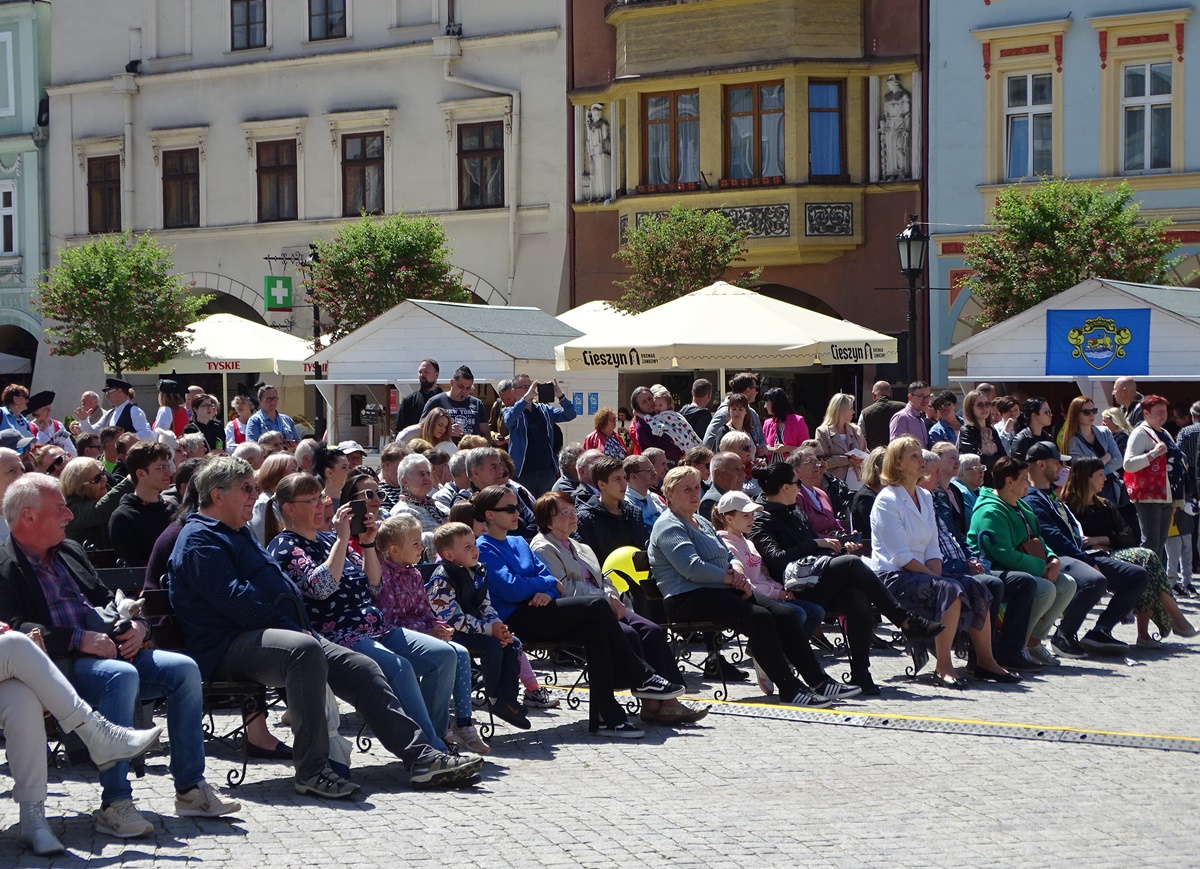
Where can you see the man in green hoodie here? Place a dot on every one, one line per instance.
(1000, 523)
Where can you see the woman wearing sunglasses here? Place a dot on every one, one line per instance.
(1084, 435)
(977, 437)
(532, 603)
(85, 489)
(49, 459)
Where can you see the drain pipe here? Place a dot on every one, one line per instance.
(512, 162)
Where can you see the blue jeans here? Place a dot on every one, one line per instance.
(113, 688)
(463, 683)
(811, 614)
(420, 670)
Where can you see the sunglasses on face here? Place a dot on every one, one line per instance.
(57, 463)
(367, 495)
(511, 508)
(1089, 411)
(99, 478)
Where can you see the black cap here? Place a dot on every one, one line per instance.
(1043, 450)
(171, 387)
(38, 400)
(14, 440)
(111, 383)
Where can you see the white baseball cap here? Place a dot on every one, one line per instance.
(737, 502)
(351, 447)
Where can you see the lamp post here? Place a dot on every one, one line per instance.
(318, 419)
(913, 244)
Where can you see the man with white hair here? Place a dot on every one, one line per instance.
(304, 454)
(243, 620)
(10, 469)
(88, 410)
(447, 493)
(47, 582)
(251, 452)
(568, 473)
(583, 470)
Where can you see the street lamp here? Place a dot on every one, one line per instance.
(318, 421)
(913, 245)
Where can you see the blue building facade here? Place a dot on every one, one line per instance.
(24, 74)
(1090, 91)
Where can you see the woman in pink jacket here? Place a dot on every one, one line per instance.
(783, 428)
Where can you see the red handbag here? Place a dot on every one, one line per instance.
(1150, 483)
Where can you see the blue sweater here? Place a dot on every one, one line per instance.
(223, 584)
(685, 558)
(514, 573)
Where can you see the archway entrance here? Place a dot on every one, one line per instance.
(18, 351)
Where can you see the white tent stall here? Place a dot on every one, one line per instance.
(1091, 334)
(494, 342)
(723, 326)
(233, 346)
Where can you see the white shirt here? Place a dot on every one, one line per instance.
(137, 418)
(900, 532)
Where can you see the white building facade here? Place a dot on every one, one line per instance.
(251, 132)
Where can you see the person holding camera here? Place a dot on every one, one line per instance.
(530, 422)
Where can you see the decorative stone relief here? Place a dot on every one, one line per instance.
(829, 218)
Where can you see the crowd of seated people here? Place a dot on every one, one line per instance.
(292, 563)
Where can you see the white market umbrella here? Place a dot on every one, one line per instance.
(228, 344)
(723, 326)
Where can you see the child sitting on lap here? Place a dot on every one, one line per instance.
(405, 604)
(667, 422)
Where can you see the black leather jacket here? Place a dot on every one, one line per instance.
(782, 535)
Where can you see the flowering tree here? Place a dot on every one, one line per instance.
(375, 264)
(676, 254)
(116, 295)
(1054, 234)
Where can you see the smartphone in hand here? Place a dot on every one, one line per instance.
(358, 518)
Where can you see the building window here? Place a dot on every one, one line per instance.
(754, 131)
(326, 19)
(104, 194)
(8, 219)
(826, 132)
(1029, 116)
(481, 165)
(249, 24)
(277, 180)
(181, 188)
(671, 137)
(1146, 117)
(362, 174)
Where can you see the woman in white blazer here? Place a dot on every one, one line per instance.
(906, 556)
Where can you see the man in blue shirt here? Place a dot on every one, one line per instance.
(531, 434)
(243, 620)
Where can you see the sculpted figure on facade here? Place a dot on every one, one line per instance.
(895, 132)
(598, 173)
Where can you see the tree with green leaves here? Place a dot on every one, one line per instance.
(680, 252)
(116, 295)
(1050, 236)
(374, 264)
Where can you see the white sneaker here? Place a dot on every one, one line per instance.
(204, 802)
(1042, 654)
(122, 820)
(468, 737)
(109, 744)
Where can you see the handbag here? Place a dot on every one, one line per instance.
(1033, 544)
(1150, 483)
(804, 572)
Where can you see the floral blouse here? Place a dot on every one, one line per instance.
(404, 601)
(342, 612)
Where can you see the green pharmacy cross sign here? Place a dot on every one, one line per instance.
(277, 292)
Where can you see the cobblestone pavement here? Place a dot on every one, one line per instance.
(732, 791)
